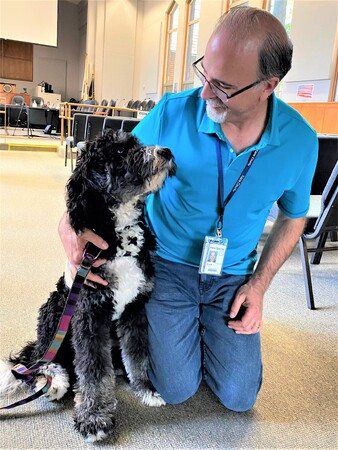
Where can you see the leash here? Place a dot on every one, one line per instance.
(90, 254)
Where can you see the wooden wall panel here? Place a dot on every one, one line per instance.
(322, 116)
(16, 60)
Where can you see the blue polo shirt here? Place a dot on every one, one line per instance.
(186, 209)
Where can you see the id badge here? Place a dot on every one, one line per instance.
(213, 254)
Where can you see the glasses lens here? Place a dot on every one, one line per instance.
(219, 93)
(199, 74)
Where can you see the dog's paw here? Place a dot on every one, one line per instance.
(94, 426)
(60, 381)
(151, 398)
(147, 393)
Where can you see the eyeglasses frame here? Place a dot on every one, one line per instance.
(212, 85)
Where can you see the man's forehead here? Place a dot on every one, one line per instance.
(236, 43)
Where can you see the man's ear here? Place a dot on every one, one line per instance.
(270, 86)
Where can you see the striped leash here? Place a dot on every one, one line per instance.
(90, 255)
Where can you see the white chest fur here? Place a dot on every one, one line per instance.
(130, 281)
(129, 277)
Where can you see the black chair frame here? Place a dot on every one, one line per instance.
(327, 222)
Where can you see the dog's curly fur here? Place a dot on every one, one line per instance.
(106, 194)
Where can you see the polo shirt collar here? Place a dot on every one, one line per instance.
(269, 137)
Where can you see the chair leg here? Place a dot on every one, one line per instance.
(306, 273)
(66, 155)
(71, 159)
(320, 243)
(333, 236)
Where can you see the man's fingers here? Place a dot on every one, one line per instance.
(90, 236)
(235, 307)
(99, 262)
(96, 279)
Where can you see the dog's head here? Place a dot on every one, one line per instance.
(116, 168)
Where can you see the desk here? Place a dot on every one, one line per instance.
(3, 112)
(42, 117)
(49, 98)
(6, 98)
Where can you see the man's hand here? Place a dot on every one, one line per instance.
(279, 245)
(249, 297)
(74, 246)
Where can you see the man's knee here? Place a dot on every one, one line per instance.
(177, 389)
(235, 397)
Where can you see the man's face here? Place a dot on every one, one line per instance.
(230, 67)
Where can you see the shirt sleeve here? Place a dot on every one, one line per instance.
(295, 201)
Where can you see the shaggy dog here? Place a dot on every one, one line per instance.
(106, 194)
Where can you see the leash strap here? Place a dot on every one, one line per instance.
(225, 201)
(90, 254)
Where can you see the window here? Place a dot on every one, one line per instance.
(194, 11)
(171, 47)
(282, 9)
(234, 3)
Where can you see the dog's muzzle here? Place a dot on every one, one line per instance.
(165, 154)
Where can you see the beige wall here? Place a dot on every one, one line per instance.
(126, 42)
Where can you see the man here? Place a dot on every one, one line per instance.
(238, 149)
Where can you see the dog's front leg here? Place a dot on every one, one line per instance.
(95, 401)
(132, 332)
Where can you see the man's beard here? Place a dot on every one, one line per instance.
(218, 117)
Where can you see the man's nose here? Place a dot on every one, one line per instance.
(207, 92)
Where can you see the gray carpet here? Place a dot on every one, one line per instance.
(296, 408)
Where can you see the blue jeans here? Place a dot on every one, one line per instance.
(189, 339)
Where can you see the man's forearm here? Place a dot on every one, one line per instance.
(279, 246)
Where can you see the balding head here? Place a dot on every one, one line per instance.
(245, 24)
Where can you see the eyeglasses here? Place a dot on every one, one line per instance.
(222, 95)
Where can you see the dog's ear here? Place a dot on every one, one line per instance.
(85, 190)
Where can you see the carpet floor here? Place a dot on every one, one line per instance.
(297, 405)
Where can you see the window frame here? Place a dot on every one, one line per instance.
(173, 6)
(188, 23)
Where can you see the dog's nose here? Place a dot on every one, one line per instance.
(165, 152)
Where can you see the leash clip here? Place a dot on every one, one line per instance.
(90, 255)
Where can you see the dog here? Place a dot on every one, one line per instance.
(105, 193)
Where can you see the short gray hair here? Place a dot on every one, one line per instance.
(275, 52)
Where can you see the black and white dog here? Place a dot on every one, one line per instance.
(106, 194)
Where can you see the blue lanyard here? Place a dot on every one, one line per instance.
(225, 201)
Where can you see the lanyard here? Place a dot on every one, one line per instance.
(225, 201)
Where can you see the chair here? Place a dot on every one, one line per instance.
(94, 127)
(78, 135)
(36, 118)
(129, 124)
(16, 115)
(112, 103)
(142, 106)
(88, 108)
(102, 110)
(17, 100)
(327, 158)
(318, 228)
(126, 113)
(150, 105)
(36, 102)
(113, 123)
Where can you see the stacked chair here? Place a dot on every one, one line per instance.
(87, 127)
